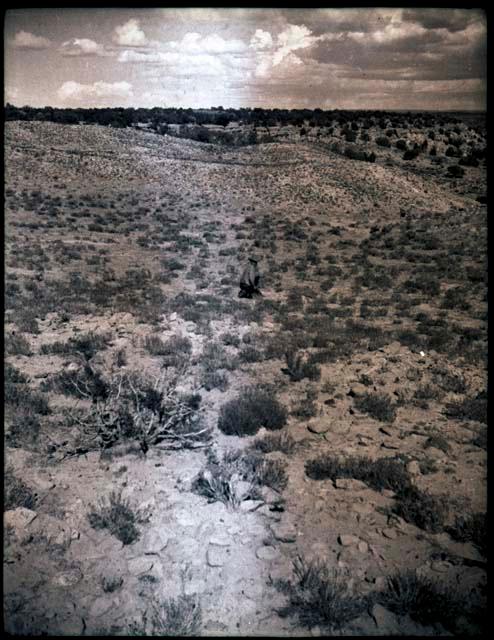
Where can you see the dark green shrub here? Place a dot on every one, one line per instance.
(17, 493)
(283, 442)
(299, 367)
(421, 509)
(455, 171)
(377, 405)
(117, 516)
(253, 409)
(471, 528)
(423, 599)
(384, 473)
(320, 596)
(469, 409)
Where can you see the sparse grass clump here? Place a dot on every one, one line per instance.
(180, 616)
(421, 598)
(471, 528)
(253, 409)
(384, 473)
(16, 492)
(283, 442)
(17, 345)
(469, 409)
(379, 406)
(421, 509)
(298, 367)
(320, 596)
(116, 515)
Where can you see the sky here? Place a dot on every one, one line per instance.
(407, 58)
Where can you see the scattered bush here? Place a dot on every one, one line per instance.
(180, 616)
(253, 409)
(471, 528)
(421, 509)
(384, 473)
(320, 596)
(17, 345)
(377, 405)
(283, 442)
(455, 171)
(117, 516)
(16, 492)
(299, 367)
(419, 597)
(469, 409)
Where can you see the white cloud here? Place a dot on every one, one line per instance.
(130, 35)
(77, 92)
(82, 47)
(294, 37)
(193, 42)
(27, 40)
(261, 40)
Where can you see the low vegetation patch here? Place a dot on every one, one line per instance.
(471, 528)
(378, 405)
(319, 596)
(384, 473)
(16, 492)
(252, 409)
(116, 515)
(181, 616)
(283, 442)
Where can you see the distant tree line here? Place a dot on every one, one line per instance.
(158, 118)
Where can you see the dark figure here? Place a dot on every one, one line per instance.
(249, 280)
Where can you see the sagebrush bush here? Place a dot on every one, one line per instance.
(379, 406)
(116, 515)
(181, 616)
(17, 345)
(251, 410)
(421, 509)
(283, 442)
(421, 598)
(298, 367)
(320, 596)
(471, 528)
(474, 408)
(384, 473)
(16, 492)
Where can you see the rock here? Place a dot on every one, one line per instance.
(100, 606)
(413, 468)
(316, 632)
(350, 484)
(19, 518)
(154, 541)
(346, 540)
(390, 533)
(318, 427)
(357, 389)
(68, 578)
(243, 490)
(217, 556)
(220, 540)
(363, 547)
(363, 508)
(283, 532)
(380, 583)
(196, 585)
(250, 505)
(441, 566)
(385, 620)
(137, 566)
(266, 553)
(388, 493)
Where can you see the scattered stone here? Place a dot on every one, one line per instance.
(243, 490)
(390, 533)
(380, 583)
(385, 620)
(347, 540)
(357, 389)
(350, 484)
(154, 541)
(413, 468)
(441, 566)
(19, 518)
(217, 556)
(318, 428)
(283, 532)
(196, 585)
(250, 505)
(220, 540)
(68, 578)
(100, 606)
(363, 547)
(266, 553)
(140, 565)
(388, 493)
(363, 508)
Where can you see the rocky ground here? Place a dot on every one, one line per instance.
(123, 251)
